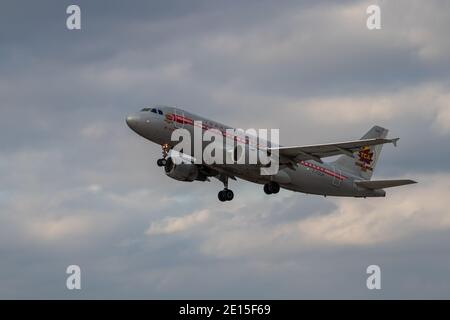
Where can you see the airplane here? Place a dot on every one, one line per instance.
(301, 168)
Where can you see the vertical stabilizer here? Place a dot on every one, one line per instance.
(365, 160)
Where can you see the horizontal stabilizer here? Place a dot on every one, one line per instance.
(381, 184)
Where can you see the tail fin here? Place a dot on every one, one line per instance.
(366, 158)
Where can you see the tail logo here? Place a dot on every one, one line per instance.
(365, 159)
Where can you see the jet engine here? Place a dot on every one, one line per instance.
(183, 171)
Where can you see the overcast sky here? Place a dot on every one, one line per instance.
(78, 187)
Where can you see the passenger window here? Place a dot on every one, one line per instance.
(146, 109)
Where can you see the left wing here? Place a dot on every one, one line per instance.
(381, 184)
(318, 151)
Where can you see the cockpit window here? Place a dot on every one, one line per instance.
(154, 110)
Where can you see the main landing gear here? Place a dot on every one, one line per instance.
(271, 187)
(165, 151)
(225, 194)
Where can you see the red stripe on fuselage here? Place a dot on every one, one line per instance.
(323, 170)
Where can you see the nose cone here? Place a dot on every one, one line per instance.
(132, 121)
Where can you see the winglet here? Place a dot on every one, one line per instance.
(394, 141)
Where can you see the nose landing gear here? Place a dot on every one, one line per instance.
(271, 187)
(165, 151)
(161, 162)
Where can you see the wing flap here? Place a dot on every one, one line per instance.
(381, 184)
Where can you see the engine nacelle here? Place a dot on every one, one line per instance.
(182, 171)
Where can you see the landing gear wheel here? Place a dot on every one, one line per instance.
(161, 162)
(225, 195)
(229, 195)
(221, 196)
(271, 187)
(275, 187)
(266, 189)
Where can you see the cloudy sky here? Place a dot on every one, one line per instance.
(78, 187)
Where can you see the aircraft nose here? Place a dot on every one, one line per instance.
(132, 120)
